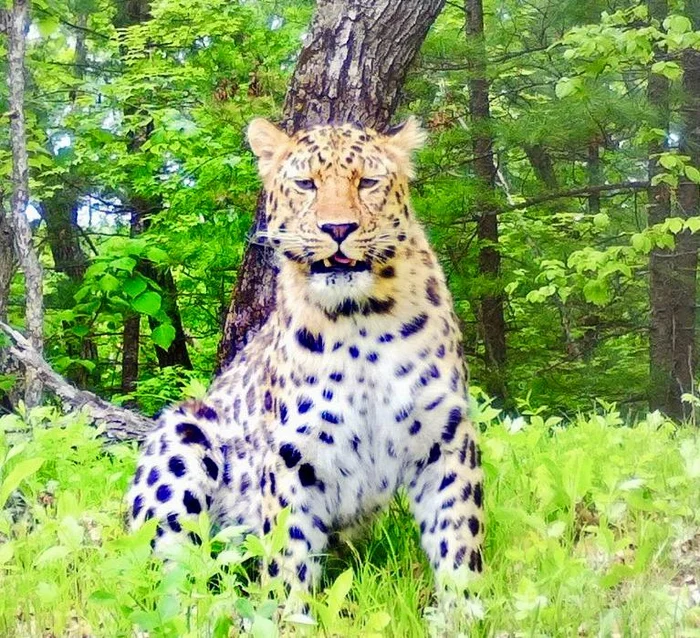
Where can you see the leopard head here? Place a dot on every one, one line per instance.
(337, 203)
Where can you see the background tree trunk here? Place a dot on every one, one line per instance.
(21, 230)
(490, 313)
(134, 12)
(352, 68)
(672, 272)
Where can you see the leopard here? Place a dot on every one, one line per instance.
(354, 388)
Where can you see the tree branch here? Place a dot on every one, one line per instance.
(119, 423)
(583, 191)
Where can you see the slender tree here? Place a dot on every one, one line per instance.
(21, 230)
(672, 271)
(351, 69)
(491, 314)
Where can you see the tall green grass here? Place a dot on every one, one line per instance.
(593, 530)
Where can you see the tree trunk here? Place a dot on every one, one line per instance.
(8, 266)
(672, 272)
(21, 231)
(594, 176)
(60, 214)
(542, 164)
(176, 354)
(352, 68)
(491, 311)
(134, 12)
(7, 261)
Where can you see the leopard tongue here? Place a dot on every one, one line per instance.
(341, 259)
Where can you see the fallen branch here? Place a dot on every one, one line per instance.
(119, 423)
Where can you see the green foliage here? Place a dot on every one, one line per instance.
(593, 528)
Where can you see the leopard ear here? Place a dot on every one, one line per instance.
(266, 141)
(404, 139)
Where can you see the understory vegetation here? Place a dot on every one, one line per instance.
(560, 188)
(594, 529)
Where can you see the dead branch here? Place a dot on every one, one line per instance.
(119, 423)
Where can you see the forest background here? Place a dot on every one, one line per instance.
(559, 188)
(571, 254)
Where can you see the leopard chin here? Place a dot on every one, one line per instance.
(332, 288)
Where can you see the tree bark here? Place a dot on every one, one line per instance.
(21, 230)
(594, 176)
(542, 164)
(351, 69)
(672, 272)
(491, 314)
(8, 263)
(60, 214)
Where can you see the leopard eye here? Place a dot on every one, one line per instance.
(305, 184)
(368, 182)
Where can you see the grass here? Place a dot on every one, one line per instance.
(593, 530)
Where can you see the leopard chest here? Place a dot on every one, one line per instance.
(353, 411)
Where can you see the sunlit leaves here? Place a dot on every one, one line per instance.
(163, 335)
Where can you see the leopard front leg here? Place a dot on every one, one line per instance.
(179, 473)
(289, 482)
(446, 494)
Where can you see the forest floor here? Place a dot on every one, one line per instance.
(593, 529)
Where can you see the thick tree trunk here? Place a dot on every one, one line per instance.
(491, 305)
(352, 68)
(60, 215)
(21, 231)
(672, 273)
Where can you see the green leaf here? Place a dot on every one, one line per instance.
(674, 224)
(693, 174)
(135, 285)
(47, 25)
(52, 555)
(19, 473)
(597, 292)
(102, 596)
(678, 24)
(80, 331)
(670, 70)
(124, 263)
(668, 161)
(263, 628)
(566, 86)
(693, 224)
(339, 590)
(109, 283)
(641, 243)
(163, 335)
(601, 220)
(157, 255)
(147, 303)
(7, 551)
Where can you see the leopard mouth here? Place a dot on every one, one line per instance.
(338, 263)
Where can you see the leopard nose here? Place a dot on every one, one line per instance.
(339, 232)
